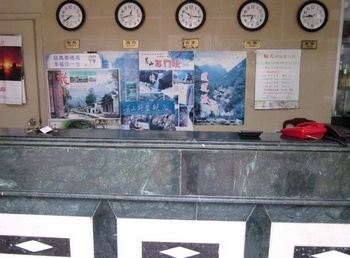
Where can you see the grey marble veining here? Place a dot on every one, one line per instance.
(191, 176)
(309, 214)
(89, 170)
(174, 165)
(46, 206)
(266, 174)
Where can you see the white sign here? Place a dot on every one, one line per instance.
(277, 79)
(76, 61)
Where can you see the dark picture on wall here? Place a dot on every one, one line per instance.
(11, 70)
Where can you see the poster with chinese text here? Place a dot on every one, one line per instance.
(220, 82)
(165, 90)
(277, 79)
(84, 98)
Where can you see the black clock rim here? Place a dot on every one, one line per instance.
(312, 2)
(120, 6)
(190, 2)
(241, 8)
(58, 15)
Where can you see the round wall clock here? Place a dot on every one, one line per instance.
(130, 15)
(312, 16)
(190, 15)
(70, 15)
(252, 15)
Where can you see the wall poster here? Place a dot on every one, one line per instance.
(84, 98)
(277, 79)
(11, 70)
(148, 90)
(220, 80)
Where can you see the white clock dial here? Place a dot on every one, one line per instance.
(252, 15)
(312, 16)
(70, 15)
(130, 15)
(190, 15)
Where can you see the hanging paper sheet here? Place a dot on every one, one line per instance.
(277, 79)
(11, 70)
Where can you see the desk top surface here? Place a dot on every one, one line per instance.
(159, 138)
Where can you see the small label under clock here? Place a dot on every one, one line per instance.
(252, 44)
(309, 44)
(72, 43)
(130, 43)
(190, 43)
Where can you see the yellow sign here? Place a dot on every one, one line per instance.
(72, 43)
(130, 43)
(252, 44)
(190, 43)
(309, 44)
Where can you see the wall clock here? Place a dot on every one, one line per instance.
(312, 16)
(190, 15)
(252, 15)
(70, 15)
(130, 15)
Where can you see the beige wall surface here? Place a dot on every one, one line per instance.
(220, 32)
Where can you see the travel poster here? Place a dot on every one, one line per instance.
(148, 115)
(128, 65)
(167, 77)
(219, 92)
(84, 98)
(277, 79)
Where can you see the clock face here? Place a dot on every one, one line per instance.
(129, 15)
(190, 15)
(312, 16)
(70, 15)
(252, 15)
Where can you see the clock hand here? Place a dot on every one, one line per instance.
(188, 14)
(70, 16)
(128, 15)
(309, 16)
(249, 15)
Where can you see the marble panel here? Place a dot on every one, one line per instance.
(257, 233)
(266, 174)
(104, 227)
(309, 214)
(90, 170)
(48, 206)
(155, 210)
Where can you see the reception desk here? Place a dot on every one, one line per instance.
(133, 194)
